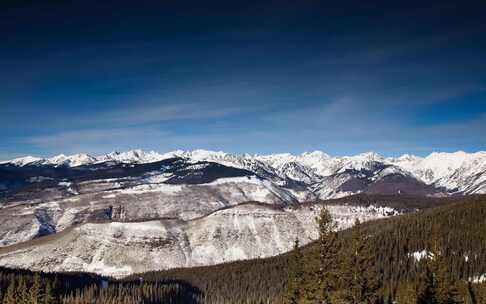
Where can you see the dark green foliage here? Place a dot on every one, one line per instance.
(427, 293)
(359, 280)
(31, 288)
(438, 284)
(296, 281)
(36, 290)
(10, 296)
(49, 297)
(325, 275)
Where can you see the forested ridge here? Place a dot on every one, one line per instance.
(432, 256)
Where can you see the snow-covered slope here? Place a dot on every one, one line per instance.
(134, 156)
(22, 161)
(433, 167)
(458, 172)
(118, 249)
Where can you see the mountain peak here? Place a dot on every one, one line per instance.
(22, 161)
(315, 153)
(370, 155)
(132, 156)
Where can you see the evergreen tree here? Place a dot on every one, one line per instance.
(439, 286)
(447, 292)
(325, 275)
(35, 290)
(49, 294)
(296, 277)
(22, 292)
(359, 282)
(427, 289)
(10, 295)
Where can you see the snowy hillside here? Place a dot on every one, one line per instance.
(241, 232)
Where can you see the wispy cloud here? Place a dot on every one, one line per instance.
(164, 112)
(97, 140)
(202, 101)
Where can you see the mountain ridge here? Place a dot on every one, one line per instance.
(453, 171)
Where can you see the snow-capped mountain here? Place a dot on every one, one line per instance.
(134, 156)
(200, 207)
(455, 172)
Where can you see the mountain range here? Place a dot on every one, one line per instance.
(457, 172)
(121, 213)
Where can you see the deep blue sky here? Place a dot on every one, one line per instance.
(261, 77)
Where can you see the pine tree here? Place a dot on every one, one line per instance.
(22, 292)
(35, 290)
(10, 295)
(296, 276)
(359, 282)
(447, 292)
(438, 286)
(326, 273)
(427, 289)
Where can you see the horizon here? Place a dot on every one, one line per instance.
(242, 154)
(256, 77)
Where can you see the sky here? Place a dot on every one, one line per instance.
(242, 77)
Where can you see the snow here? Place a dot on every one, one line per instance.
(71, 160)
(213, 225)
(133, 156)
(241, 232)
(157, 178)
(419, 255)
(95, 266)
(165, 188)
(438, 165)
(458, 171)
(23, 235)
(115, 229)
(241, 179)
(38, 179)
(478, 279)
(69, 187)
(22, 161)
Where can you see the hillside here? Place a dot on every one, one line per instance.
(120, 247)
(396, 244)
